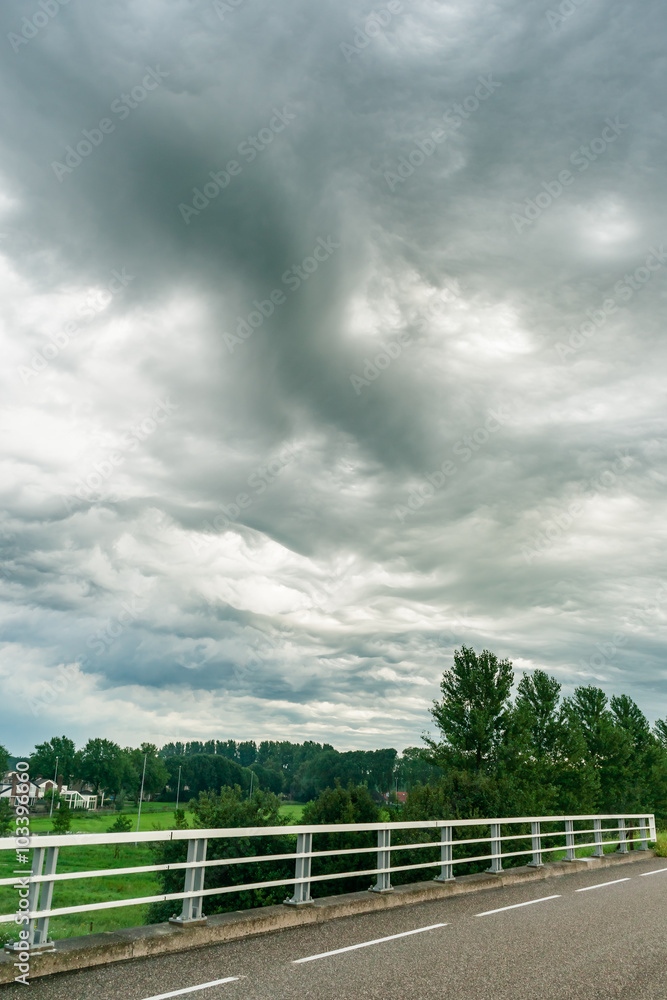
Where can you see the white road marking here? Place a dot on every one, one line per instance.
(365, 944)
(515, 906)
(656, 872)
(193, 989)
(601, 885)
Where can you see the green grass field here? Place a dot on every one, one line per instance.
(293, 811)
(154, 816)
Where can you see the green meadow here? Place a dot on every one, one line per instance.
(154, 816)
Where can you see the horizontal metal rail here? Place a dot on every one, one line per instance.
(232, 833)
(43, 878)
(181, 865)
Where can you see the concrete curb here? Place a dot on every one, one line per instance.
(164, 939)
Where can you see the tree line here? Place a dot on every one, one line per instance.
(299, 771)
(494, 754)
(540, 753)
(534, 754)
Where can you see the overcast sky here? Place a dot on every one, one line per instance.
(433, 249)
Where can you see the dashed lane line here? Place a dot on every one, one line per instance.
(601, 885)
(193, 989)
(394, 937)
(366, 944)
(516, 906)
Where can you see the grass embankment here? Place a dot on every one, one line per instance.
(154, 816)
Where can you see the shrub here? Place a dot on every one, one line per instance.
(6, 818)
(661, 845)
(353, 804)
(230, 809)
(180, 820)
(62, 819)
(122, 824)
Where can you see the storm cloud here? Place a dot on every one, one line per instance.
(333, 339)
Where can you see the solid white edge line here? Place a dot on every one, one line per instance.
(601, 885)
(516, 906)
(656, 872)
(364, 944)
(193, 989)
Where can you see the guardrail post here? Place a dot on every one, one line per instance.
(41, 930)
(599, 849)
(496, 848)
(191, 913)
(383, 883)
(304, 847)
(569, 840)
(643, 834)
(40, 895)
(536, 838)
(622, 838)
(446, 867)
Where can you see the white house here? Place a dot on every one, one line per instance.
(40, 786)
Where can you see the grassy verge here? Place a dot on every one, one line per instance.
(293, 811)
(154, 816)
(661, 845)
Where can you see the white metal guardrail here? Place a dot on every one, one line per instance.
(36, 903)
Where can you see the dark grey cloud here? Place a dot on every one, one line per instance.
(271, 452)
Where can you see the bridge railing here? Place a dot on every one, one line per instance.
(35, 892)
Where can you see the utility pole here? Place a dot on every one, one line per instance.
(252, 776)
(141, 793)
(53, 790)
(178, 790)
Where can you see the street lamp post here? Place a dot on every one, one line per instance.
(53, 790)
(178, 790)
(141, 793)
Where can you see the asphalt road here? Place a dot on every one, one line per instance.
(589, 935)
